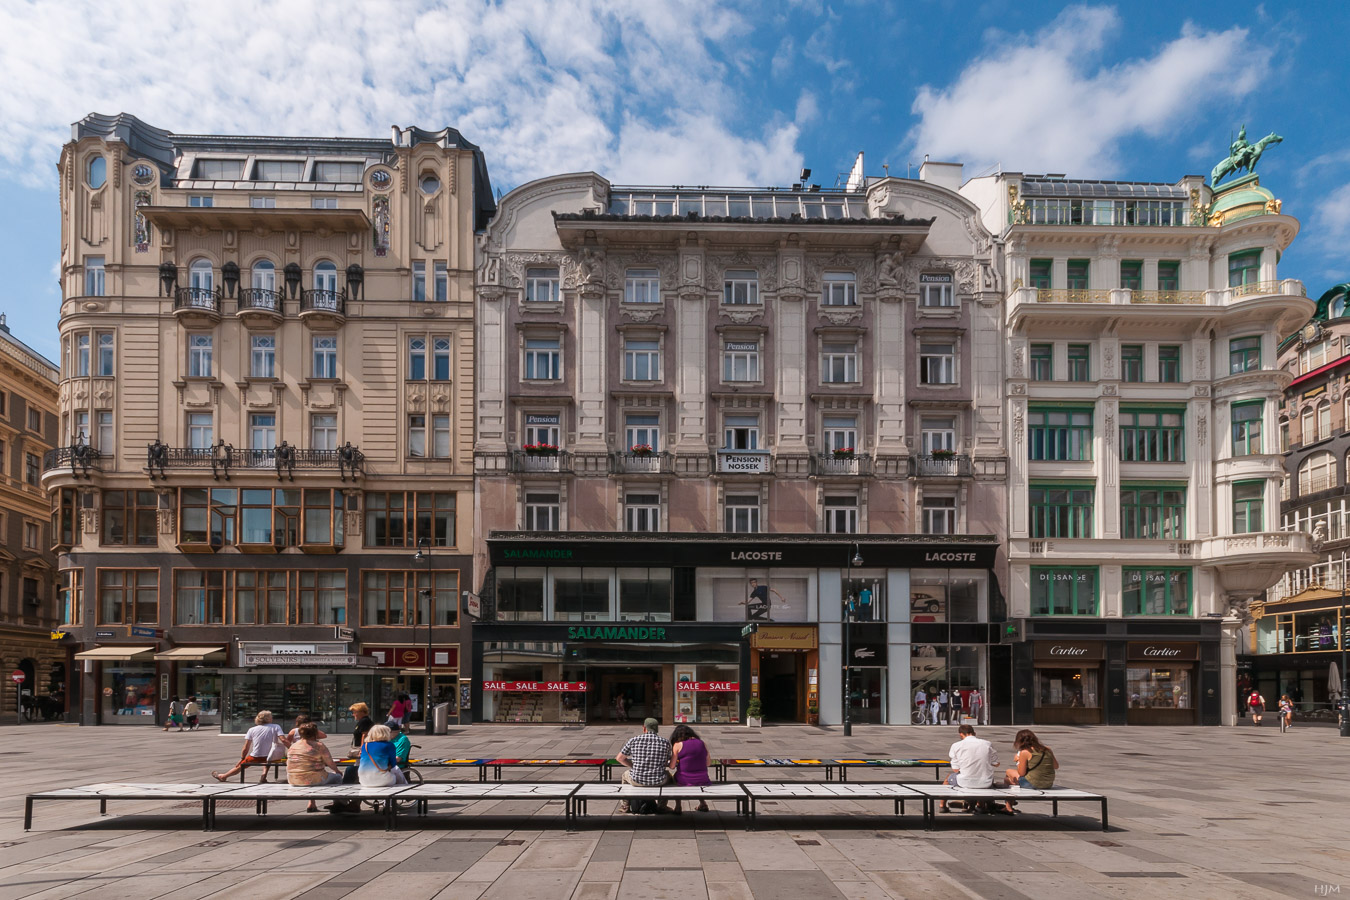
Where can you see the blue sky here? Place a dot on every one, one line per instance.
(696, 93)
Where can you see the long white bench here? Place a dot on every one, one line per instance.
(469, 792)
(261, 793)
(104, 792)
(757, 792)
(936, 793)
(710, 793)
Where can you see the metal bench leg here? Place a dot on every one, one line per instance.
(750, 818)
(843, 773)
(1104, 822)
(1054, 807)
(27, 813)
(102, 806)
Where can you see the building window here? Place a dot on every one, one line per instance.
(937, 363)
(1309, 426)
(841, 433)
(1063, 591)
(740, 361)
(1318, 472)
(261, 598)
(440, 436)
(740, 287)
(742, 514)
(440, 281)
(419, 281)
(95, 283)
(839, 289)
(32, 468)
(397, 519)
(1059, 434)
(937, 434)
(839, 363)
(1131, 274)
(1080, 356)
(200, 200)
(34, 419)
(1132, 362)
(642, 286)
(82, 354)
(1042, 362)
(1169, 363)
(1249, 506)
(400, 598)
(1284, 429)
(1153, 512)
(1077, 272)
(542, 512)
(1152, 436)
(936, 289)
(542, 429)
(107, 353)
(201, 431)
(841, 515)
(642, 512)
(417, 359)
(31, 535)
(541, 284)
(741, 433)
(1156, 592)
(103, 431)
(323, 431)
(1062, 511)
(129, 518)
(325, 277)
(263, 363)
(1244, 268)
(641, 360)
(325, 357)
(939, 515)
(262, 202)
(128, 597)
(323, 203)
(81, 430)
(1244, 355)
(1324, 420)
(199, 597)
(96, 172)
(1040, 273)
(417, 435)
(440, 359)
(1169, 275)
(201, 280)
(72, 596)
(1315, 355)
(543, 359)
(200, 347)
(1247, 427)
(262, 431)
(642, 430)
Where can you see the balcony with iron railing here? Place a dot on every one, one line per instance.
(840, 464)
(1115, 213)
(80, 459)
(261, 302)
(1026, 299)
(526, 462)
(197, 301)
(323, 303)
(651, 463)
(222, 459)
(940, 465)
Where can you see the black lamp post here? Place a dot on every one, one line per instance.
(854, 560)
(1343, 703)
(424, 553)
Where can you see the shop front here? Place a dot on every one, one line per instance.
(321, 679)
(1067, 682)
(403, 670)
(195, 672)
(1160, 678)
(785, 671)
(128, 688)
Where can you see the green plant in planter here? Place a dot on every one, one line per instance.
(944, 454)
(754, 709)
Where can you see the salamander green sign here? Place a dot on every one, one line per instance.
(535, 553)
(613, 633)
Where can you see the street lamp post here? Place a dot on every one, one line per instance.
(854, 560)
(1344, 707)
(424, 553)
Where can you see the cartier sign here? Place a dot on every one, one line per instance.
(1069, 651)
(1163, 650)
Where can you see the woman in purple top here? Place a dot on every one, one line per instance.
(690, 759)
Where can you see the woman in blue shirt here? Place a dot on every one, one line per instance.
(378, 765)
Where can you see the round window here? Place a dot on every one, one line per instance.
(143, 173)
(430, 184)
(380, 178)
(97, 172)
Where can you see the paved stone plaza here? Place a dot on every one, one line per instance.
(1195, 813)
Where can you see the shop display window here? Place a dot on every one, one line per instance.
(520, 595)
(707, 694)
(1159, 687)
(758, 595)
(129, 695)
(1070, 688)
(868, 590)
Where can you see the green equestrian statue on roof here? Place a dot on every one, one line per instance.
(1242, 154)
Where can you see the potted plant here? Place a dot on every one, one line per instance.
(813, 715)
(842, 453)
(541, 449)
(641, 450)
(944, 454)
(754, 713)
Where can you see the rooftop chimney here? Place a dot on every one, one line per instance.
(942, 174)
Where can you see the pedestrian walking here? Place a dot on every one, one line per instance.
(175, 714)
(192, 713)
(1286, 713)
(1257, 704)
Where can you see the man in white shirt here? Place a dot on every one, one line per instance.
(974, 761)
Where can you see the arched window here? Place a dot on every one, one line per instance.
(325, 276)
(201, 278)
(1337, 308)
(264, 275)
(1307, 432)
(97, 172)
(1318, 472)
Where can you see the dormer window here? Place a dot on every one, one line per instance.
(279, 170)
(219, 169)
(338, 172)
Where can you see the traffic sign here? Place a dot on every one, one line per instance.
(17, 677)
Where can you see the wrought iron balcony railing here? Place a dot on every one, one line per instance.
(324, 301)
(940, 466)
(202, 299)
(629, 463)
(81, 459)
(261, 300)
(829, 464)
(222, 458)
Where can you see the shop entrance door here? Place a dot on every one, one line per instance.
(779, 677)
(869, 704)
(628, 696)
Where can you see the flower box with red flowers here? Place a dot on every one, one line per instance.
(541, 449)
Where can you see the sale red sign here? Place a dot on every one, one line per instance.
(707, 686)
(549, 686)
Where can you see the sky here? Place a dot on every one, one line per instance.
(685, 92)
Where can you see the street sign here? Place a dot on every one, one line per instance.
(137, 631)
(105, 634)
(57, 635)
(473, 605)
(17, 677)
(749, 630)
(343, 634)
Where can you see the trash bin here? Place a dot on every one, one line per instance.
(440, 718)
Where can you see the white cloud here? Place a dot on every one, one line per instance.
(1329, 225)
(808, 109)
(543, 86)
(1048, 103)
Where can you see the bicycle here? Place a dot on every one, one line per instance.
(1286, 720)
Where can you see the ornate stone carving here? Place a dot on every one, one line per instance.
(618, 264)
(141, 228)
(888, 269)
(862, 266)
(743, 316)
(1017, 362)
(640, 315)
(1110, 426)
(490, 272)
(587, 269)
(516, 263)
(1202, 361)
(1018, 387)
(1202, 429)
(841, 316)
(1202, 390)
(1017, 424)
(766, 264)
(380, 219)
(1108, 390)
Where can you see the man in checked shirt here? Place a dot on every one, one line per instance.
(646, 756)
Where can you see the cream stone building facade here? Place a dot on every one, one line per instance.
(692, 405)
(266, 412)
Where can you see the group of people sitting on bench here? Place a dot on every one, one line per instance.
(382, 754)
(974, 762)
(650, 760)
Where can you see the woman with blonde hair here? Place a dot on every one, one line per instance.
(378, 765)
(261, 744)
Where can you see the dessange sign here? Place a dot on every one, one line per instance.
(1069, 651)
